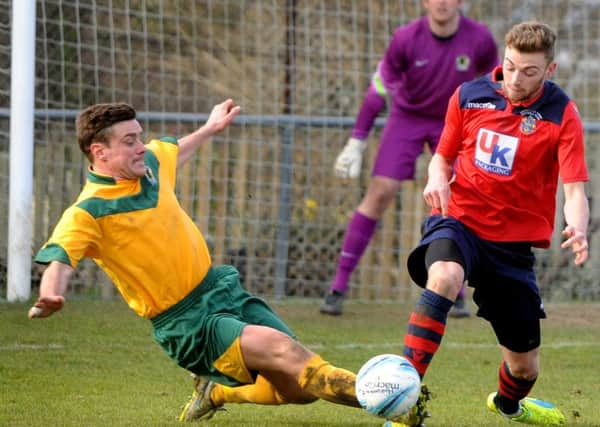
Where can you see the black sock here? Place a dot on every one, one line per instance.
(507, 406)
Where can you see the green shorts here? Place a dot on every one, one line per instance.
(201, 332)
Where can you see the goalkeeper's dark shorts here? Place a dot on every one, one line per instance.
(202, 331)
(501, 273)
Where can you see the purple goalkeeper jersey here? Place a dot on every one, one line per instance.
(421, 71)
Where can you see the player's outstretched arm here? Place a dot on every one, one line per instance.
(220, 117)
(52, 288)
(577, 214)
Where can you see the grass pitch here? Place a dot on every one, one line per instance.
(96, 364)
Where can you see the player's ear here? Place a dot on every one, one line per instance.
(98, 151)
(550, 70)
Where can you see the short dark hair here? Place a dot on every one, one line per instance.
(531, 37)
(93, 123)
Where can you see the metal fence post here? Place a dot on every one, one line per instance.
(283, 223)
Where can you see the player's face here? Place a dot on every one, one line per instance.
(123, 156)
(524, 74)
(442, 11)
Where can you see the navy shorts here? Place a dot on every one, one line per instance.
(501, 273)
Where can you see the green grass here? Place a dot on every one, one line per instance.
(96, 364)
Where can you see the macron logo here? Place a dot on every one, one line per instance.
(495, 152)
(481, 105)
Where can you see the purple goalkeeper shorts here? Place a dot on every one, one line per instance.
(402, 142)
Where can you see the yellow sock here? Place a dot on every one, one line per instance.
(328, 382)
(262, 392)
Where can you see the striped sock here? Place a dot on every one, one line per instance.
(511, 390)
(426, 328)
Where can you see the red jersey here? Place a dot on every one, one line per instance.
(508, 159)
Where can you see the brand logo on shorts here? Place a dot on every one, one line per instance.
(495, 152)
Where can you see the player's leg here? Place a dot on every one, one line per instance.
(254, 358)
(289, 373)
(202, 334)
(359, 233)
(247, 356)
(444, 261)
(401, 144)
(230, 380)
(439, 264)
(519, 336)
(517, 374)
(297, 373)
(516, 377)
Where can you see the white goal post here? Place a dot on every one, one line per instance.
(20, 224)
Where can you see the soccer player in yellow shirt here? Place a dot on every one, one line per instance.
(129, 221)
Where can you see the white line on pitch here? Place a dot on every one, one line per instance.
(19, 347)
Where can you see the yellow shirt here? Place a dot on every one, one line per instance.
(137, 232)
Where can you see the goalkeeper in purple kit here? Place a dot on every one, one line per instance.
(423, 64)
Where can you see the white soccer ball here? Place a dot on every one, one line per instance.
(388, 386)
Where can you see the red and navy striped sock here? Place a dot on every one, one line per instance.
(426, 328)
(511, 390)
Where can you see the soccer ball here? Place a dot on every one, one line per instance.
(388, 386)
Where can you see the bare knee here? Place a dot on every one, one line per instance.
(445, 278)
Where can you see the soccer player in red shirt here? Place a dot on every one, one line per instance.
(491, 185)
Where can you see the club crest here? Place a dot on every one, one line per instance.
(462, 62)
(529, 121)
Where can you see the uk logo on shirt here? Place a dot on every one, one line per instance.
(495, 152)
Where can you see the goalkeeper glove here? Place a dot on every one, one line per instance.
(348, 162)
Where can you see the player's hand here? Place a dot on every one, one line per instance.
(436, 194)
(46, 306)
(349, 161)
(221, 115)
(577, 241)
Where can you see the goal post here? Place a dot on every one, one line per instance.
(20, 224)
